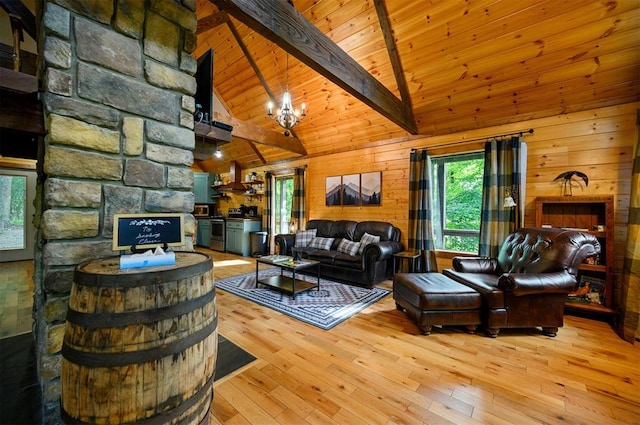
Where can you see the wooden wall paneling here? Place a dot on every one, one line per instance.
(575, 130)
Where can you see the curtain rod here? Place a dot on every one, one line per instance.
(519, 133)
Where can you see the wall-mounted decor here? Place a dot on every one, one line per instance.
(351, 189)
(371, 187)
(354, 189)
(332, 191)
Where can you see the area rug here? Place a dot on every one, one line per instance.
(331, 305)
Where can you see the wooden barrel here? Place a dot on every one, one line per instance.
(140, 345)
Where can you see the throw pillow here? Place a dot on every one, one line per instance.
(366, 239)
(303, 237)
(321, 243)
(348, 247)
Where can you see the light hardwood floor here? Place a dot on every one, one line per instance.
(16, 297)
(375, 368)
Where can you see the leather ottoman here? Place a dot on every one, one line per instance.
(434, 299)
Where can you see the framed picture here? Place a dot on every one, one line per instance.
(351, 189)
(591, 290)
(332, 191)
(371, 188)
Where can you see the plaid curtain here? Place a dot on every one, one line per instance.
(267, 217)
(297, 204)
(420, 237)
(631, 267)
(502, 177)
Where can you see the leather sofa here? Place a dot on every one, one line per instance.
(373, 265)
(527, 284)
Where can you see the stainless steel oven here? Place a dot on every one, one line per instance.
(218, 234)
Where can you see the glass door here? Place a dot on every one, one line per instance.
(17, 192)
(283, 199)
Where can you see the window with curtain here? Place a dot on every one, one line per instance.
(283, 201)
(457, 197)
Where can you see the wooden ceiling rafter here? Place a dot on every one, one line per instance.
(254, 133)
(291, 31)
(211, 21)
(242, 130)
(300, 147)
(392, 50)
(257, 152)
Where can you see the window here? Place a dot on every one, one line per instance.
(283, 197)
(457, 193)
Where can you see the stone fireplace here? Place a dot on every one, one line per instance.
(118, 85)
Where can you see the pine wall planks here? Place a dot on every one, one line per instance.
(599, 142)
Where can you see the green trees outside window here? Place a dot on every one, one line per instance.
(283, 200)
(12, 211)
(457, 189)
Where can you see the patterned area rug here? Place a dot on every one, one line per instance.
(331, 305)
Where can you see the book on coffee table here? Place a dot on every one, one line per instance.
(276, 258)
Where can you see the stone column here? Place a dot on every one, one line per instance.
(118, 85)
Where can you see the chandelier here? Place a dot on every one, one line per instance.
(287, 117)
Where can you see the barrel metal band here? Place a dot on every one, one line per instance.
(119, 320)
(163, 417)
(88, 359)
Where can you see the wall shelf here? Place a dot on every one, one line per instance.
(257, 186)
(221, 197)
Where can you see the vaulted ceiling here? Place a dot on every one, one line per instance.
(453, 65)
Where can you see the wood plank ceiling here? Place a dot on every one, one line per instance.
(454, 65)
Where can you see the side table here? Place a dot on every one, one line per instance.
(411, 258)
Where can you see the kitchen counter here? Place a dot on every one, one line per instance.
(244, 219)
(238, 234)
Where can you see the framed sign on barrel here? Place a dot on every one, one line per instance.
(145, 231)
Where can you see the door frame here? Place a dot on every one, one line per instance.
(27, 252)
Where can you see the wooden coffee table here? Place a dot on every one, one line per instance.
(286, 284)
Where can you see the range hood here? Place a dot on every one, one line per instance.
(236, 179)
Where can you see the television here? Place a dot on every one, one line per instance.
(204, 89)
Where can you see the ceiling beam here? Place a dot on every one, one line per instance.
(257, 152)
(392, 49)
(254, 65)
(253, 133)
(285, 26)
(210, 22)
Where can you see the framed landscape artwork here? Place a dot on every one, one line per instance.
(351, 189)
(332, 191)
(354, 189)
(371, 185)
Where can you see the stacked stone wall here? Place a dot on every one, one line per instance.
(118, 85)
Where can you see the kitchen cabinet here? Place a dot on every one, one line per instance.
(590, 214)
(203, 190)
(203, 235)
(238, 235)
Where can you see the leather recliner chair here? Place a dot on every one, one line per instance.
(527, 284)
